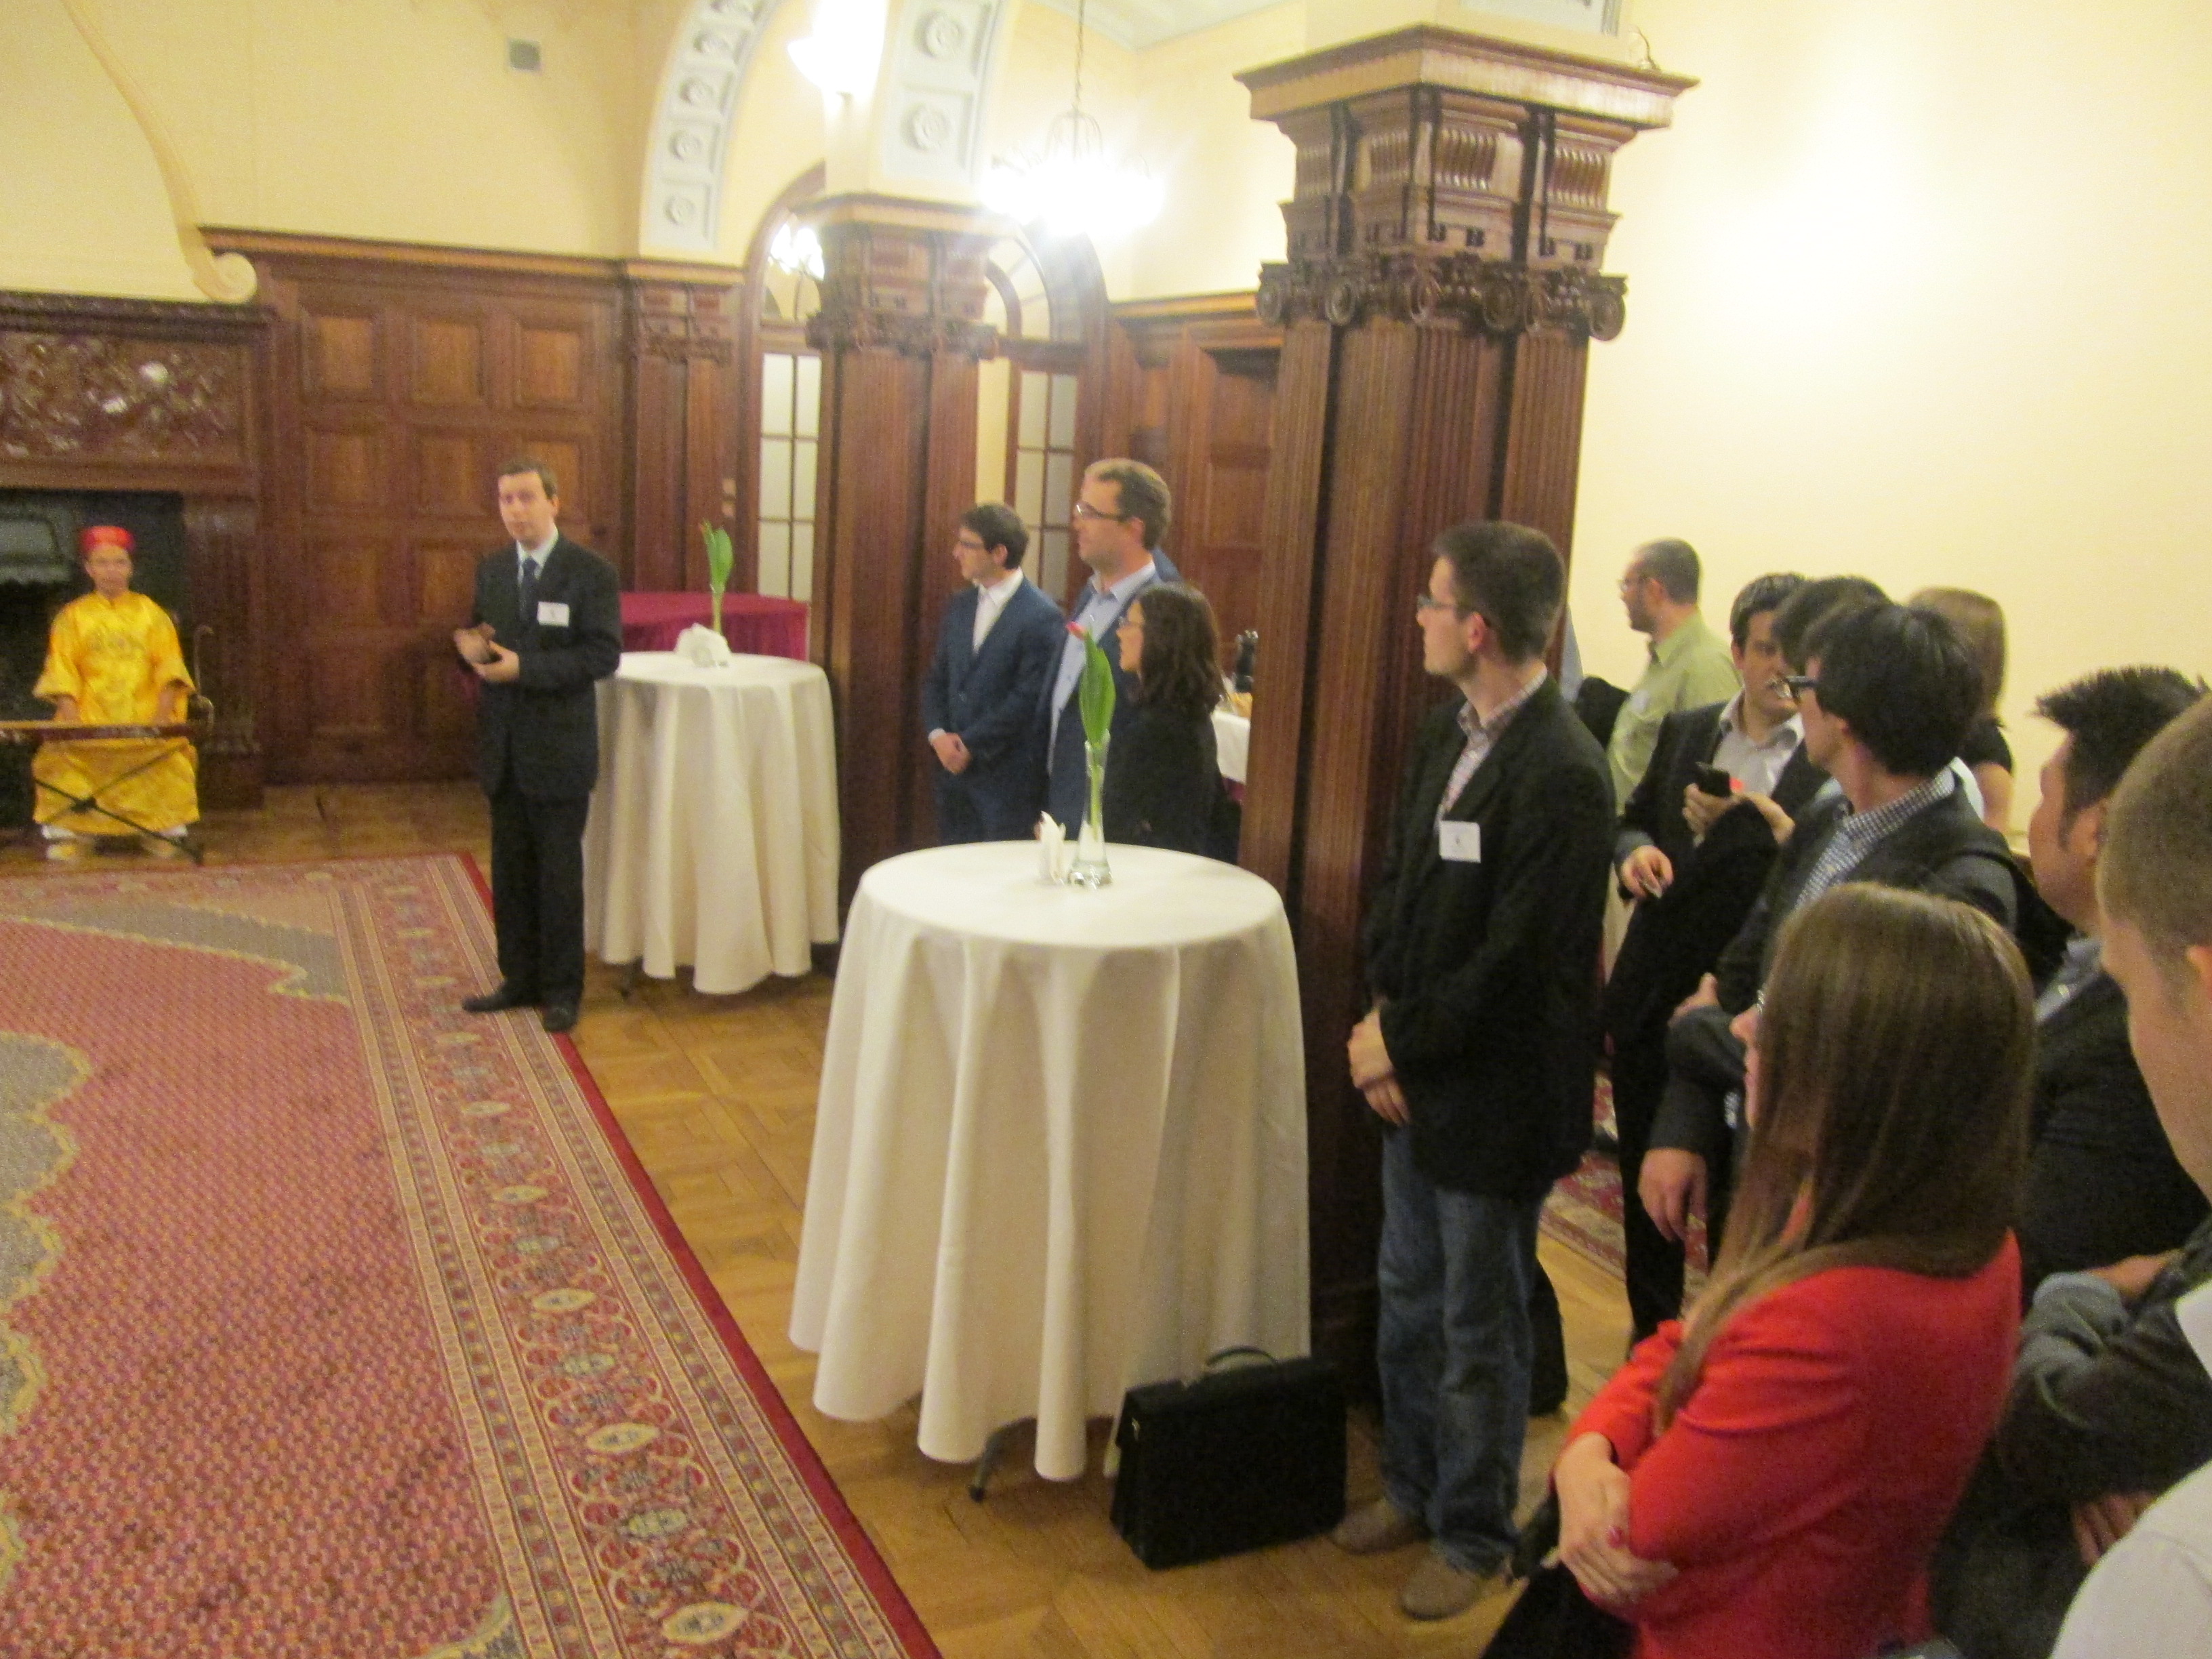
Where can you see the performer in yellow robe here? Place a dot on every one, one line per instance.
(113, 659)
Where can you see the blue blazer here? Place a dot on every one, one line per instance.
(989, 698)
(1067, 784)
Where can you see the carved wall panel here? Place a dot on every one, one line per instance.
(109, 395)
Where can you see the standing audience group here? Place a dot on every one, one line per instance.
(1952, 1175)
(1944, 1117)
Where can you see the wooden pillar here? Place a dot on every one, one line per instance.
(900, 335)
(682, 340)
(1442, 285)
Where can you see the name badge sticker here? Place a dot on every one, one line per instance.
(551, 613)
(1459, 843)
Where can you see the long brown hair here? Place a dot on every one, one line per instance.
(1181, 669)
(1980, 621)
(1896, 1047)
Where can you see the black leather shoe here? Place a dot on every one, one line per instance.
(559, 1017)
(499, 1001)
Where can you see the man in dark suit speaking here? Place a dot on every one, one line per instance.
(999, 639)
(1480, 1053)
(547, 623)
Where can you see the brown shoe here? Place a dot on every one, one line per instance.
(1375, 1527)
(1438, 1589)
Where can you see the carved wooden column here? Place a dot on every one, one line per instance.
(683, 417)
(900, 337)
(1442, 285)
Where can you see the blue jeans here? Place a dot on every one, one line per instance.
(1454, 1351)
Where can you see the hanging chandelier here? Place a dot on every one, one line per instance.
(1071, 185)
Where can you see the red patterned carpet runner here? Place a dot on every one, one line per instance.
(335, 1322)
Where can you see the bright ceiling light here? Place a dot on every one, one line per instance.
(843, 54)
(1070, 184)
(797, 249)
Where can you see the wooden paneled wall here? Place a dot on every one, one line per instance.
(400, 378)
(1191, 391)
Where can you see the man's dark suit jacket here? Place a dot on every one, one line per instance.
(1945, 850)
(990, 699)
(1487, 972)
(2103, 1184)
(543, 728)
(1675, 939)
(1068, 784)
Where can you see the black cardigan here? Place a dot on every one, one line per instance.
(1162, 784)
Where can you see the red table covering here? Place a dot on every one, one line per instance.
(754, 625)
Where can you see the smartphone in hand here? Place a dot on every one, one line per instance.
(1713, 780)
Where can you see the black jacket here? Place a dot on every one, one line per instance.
(1163, 784)
(1945, 850)
(1487, 972)
(1675, 939)
(2103, 1184)
(1067, 781)
(544, 728)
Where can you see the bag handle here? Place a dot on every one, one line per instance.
(1213, 1359)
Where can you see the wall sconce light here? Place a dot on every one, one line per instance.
(843, 54)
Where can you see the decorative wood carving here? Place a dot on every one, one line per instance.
(682, 327)
(108, 394)
(914, 284)
(1442, 285)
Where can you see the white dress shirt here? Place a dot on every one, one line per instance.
(2151, 1596)
(990, 600)
(1756, 766)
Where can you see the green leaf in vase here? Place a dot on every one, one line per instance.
(1095, 692)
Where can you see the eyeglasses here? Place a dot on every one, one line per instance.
(1084, 510)
(1798, 684)
(1427, 602)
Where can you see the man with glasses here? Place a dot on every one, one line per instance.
(1478, 1052)
(1885, 696)
(1694, 860)
(1122, 515)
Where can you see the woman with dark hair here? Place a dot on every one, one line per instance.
(1162, 783)
(1980, 623)
(1771, 1477)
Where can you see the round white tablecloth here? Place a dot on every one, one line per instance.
(713, 838)
(1061, 1144)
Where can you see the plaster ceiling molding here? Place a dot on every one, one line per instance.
(930, 124)
(1137, 24)
(693, 120)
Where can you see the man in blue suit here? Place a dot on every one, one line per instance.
(1122, 515)
(995, 648)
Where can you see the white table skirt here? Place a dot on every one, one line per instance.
(1061, 1144)
(1232, 743)
(713, 838)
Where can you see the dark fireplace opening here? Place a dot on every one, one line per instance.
(40, 574)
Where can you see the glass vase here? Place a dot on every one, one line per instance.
(1090, 869)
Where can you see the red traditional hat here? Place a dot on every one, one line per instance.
(97, 536)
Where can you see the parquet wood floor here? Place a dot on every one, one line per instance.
(717, 1095)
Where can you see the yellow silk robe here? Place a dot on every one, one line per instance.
(115, 657)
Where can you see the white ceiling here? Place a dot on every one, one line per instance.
(1137, 24)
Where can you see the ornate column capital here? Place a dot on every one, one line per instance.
(1453, 180)
(901, 276)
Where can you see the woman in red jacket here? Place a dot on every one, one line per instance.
(1770, 1477)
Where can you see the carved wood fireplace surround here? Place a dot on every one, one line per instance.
(101, 397)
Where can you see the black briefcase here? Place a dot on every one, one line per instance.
(1242, 1457)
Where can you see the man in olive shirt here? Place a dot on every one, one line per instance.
(1689, 668)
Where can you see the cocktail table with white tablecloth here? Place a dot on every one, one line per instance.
(713, 838)
(1233, 744)
(1061, 1143)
